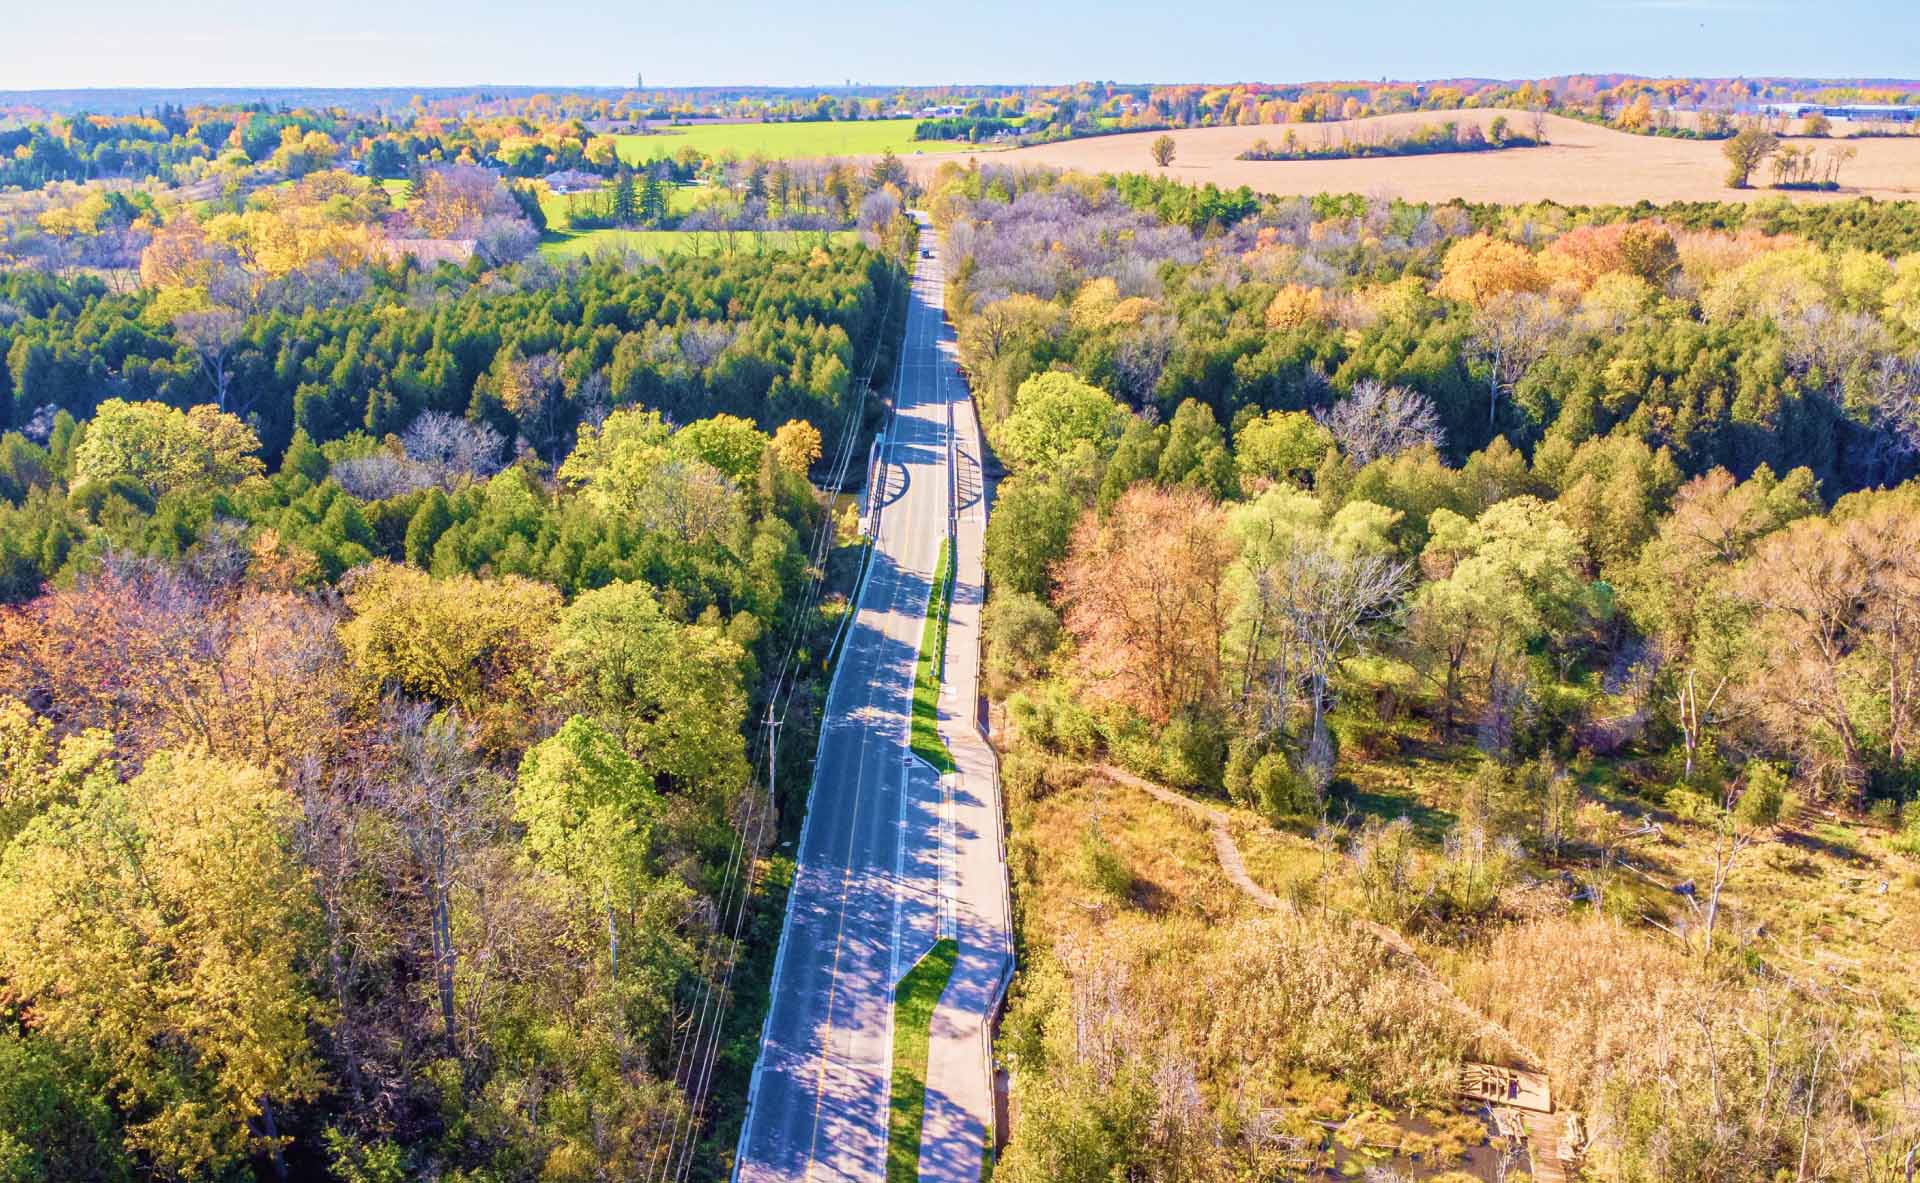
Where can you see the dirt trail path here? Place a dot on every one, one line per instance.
(1544, 1129)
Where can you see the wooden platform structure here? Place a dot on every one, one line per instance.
(1520, 1103)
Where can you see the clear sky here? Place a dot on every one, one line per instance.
(784, 42)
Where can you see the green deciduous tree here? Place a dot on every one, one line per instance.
(1497, 582)
(670, 692)
(1027, 533)
(166, 449)
(1280, 446)
(1052, 413)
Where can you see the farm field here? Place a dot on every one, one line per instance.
(1583, 164)
(658, 244)
(784, 141)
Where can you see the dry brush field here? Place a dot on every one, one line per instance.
(1583, 164)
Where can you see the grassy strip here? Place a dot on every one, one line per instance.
(913, 1005)
(660, 244)
(927, 743)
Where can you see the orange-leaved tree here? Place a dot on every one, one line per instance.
(1144, 594)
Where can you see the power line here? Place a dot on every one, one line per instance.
(698, 1053)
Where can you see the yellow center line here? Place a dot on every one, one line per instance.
(839, 940)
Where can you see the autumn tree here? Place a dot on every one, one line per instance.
(1480, 269)
(1161, 149)
(479, 646)
(1840, 658)
(250, 675)
(166, 449)
(159, 927)
(444, 812)
(1745, 152)
(1143, 590)
(796, 443)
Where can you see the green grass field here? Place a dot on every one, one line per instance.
(784, 141)
(913, 1005)
(927, 743)
(658, 244)
(680, 199)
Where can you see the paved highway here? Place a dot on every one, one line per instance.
(890, 857)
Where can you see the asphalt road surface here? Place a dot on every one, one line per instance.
(891, 858)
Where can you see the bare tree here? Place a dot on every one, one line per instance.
(453, 447)
(1510, 334)
(380, 475)
(1376, 420)
(213, 333)
(435, 797)
(1330, 602)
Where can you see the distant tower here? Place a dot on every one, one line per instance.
(639, 82)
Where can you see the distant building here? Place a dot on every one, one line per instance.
(574, 181)
(1851, 112)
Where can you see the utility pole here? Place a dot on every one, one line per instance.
(773, 732)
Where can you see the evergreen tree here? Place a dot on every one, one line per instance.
(624, 211)
(429, 522)
(653, 201)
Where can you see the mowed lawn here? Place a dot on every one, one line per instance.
(784, 141)
(658, 244)
(681, 199)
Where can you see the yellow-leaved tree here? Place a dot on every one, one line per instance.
(158, 928)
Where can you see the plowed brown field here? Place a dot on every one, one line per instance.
(1583, 164)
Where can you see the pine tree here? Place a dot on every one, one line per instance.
(653, 201)
(623, 206)
(426, 526)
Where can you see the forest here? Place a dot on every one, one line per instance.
(1533, 588)
(384, 790)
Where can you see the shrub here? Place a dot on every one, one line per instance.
(1384, 866)
(1104, 868)
(1907, 840)
(1762, 802)
(1049, 717)
(1021, 631)
(1193, 753)
(1279, 791)
(1473, 870)
(1691, 806)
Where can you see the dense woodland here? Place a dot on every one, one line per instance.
(384, 647)
(380, 762)
(1445, 545)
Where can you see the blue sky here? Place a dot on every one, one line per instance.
(673, 42)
